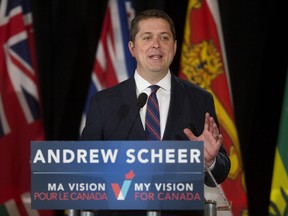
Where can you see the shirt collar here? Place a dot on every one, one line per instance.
(142, 84)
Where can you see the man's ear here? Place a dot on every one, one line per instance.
(131, 47)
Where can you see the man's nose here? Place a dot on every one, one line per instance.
(156, 43)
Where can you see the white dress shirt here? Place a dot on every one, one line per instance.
(163, 96)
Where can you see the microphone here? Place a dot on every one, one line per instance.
(141, 101)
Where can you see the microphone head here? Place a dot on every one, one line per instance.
(141, 100)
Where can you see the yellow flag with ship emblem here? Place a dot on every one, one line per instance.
(203, 62)
(279, 190)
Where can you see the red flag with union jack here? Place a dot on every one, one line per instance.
(113, 62)
(203, 61)
(20, 110)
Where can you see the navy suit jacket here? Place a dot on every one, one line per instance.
(113, 115)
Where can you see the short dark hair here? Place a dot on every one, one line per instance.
(151, 13)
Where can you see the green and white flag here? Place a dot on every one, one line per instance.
(279, 190)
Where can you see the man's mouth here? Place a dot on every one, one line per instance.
(155, 57)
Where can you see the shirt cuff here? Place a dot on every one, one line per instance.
(212, 165)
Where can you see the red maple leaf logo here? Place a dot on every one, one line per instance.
(130, 175)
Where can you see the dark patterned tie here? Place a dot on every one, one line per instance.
(152, 121)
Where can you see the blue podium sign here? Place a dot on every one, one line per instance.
(117, 175)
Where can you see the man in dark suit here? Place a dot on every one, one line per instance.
(187, 111)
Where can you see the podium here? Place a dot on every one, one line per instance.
(153, 176)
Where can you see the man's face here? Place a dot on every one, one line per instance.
(154, 47)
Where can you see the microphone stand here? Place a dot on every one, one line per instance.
(141, 101)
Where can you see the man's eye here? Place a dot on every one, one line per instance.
(165, 38)
(146, 38)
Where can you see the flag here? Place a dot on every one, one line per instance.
(279, 189)
(20, 109)
(113, 62)
(203, 61)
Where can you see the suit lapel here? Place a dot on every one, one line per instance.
(176, 101)
(128, 93)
